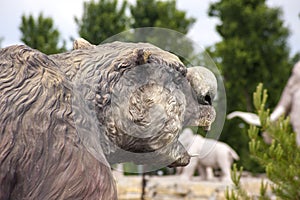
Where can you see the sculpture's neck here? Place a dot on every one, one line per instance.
(82, 70)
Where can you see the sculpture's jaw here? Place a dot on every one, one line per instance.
(172, 155)
(184, 160)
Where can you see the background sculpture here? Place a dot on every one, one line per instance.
(65, 117)
(209, 154)
(289, 104)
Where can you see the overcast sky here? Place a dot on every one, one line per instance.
(63, 12)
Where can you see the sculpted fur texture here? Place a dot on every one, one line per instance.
(65, 117)
(42, 156)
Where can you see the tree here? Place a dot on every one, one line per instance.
(254, 49)
(40, 34)
(280, 160)
(163, 14)
(101, 20)
(152, 13)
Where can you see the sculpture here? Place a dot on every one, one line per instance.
(289, 104)
(65, 117)
(209, 154)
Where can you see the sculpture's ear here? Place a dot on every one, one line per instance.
(136, 57)
(141, 56)
(81, 43)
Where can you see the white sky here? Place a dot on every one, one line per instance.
(63, 12)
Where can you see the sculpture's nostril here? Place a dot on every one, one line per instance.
(207, 100)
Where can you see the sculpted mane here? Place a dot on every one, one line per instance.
(28, 78)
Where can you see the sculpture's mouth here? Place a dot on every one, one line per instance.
(207, 116)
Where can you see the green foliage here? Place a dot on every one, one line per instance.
(295, 58)
(238, 192)
(101, 20)
(254, 46)
(40, 34)
(281, 159)
(152, 13)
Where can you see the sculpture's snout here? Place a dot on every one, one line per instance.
(204, 84)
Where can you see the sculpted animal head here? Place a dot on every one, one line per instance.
(141, 96)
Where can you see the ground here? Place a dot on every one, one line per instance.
(172, 188)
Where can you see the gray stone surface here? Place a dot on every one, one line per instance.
(173, 188)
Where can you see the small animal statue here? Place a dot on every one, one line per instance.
(209, 154)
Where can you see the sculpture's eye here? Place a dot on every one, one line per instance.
(207, 100)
